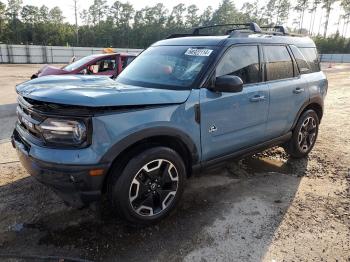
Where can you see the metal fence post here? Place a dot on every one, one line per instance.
(2, 60)
(44, 54)
(9, 54)
(27, 54)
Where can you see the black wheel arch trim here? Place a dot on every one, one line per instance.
(313, 100)
(138, 136)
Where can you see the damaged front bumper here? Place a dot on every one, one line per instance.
(73, 183)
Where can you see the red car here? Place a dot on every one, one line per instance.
(100, 64)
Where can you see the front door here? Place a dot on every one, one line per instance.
(233, 121)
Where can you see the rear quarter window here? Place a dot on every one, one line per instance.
(311, 57)
(303, 64)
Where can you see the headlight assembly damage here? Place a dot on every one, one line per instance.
(63, 131)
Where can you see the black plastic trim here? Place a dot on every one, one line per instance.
(132, 139)
(244, 152)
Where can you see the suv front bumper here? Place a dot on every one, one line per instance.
(73, 183)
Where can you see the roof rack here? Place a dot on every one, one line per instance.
(239, 29)
(252, 27)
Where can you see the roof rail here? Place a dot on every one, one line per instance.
(239, 29)
(279, 30)
(251, 26)
(181, 35)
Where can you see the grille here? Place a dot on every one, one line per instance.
(28, 119)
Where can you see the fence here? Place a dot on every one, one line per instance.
(34, 54)
(335, 58)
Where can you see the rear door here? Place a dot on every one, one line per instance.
(288, 91)
(232, 121)
(309, 68)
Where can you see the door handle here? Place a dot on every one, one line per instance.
(298, 90)
(257, 98)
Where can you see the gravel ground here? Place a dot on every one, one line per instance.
(262, 208)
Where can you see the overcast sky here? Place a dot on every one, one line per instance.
(67, 8)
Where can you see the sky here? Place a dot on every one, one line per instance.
(67, 8)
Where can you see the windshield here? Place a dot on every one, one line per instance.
(79, 63)
(166, 67)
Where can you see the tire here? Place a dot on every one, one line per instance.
(149, 187)
(304, 135)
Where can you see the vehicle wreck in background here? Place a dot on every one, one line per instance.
(110, 65)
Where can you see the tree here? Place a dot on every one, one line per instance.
(345, 4)
(192, 19)
(270, 11)
(2, 19)
(115, 11)
(126, 14)
(313, 11)
(30, 14)
(206, 17)
(250, 11)
(56, 15)
(44, 14)
(300, 7)
(175, 20)
(226, 13)
(98, 11)
(282, 11)
(327, 5)
(85, 17)
(14, 8)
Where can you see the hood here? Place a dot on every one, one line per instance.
(50, 70)
(96, 91)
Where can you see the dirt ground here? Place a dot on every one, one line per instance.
(10, 76)
(262, 208)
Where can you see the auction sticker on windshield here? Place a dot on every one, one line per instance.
(198, 52)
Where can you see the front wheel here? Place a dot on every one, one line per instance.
(304, 135)
(149, 187)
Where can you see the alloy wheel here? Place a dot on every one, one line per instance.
(154, 187)
(307, 134)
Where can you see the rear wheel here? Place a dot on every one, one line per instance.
(304, 135)
(149, 187)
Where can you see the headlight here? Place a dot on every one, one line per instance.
(64, 131)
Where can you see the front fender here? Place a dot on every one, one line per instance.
(133, 138)
(115, 132)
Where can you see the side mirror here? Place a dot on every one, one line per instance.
(228, 83)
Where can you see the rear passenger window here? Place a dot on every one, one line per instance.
(241, 61)
(279, 64)
(303, 65)
(311, 57)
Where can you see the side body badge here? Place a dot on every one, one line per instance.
(212, 129)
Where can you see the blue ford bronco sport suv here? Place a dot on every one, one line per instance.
(185, 103)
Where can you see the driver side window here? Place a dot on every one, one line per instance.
(241, 61)
(106, 65)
